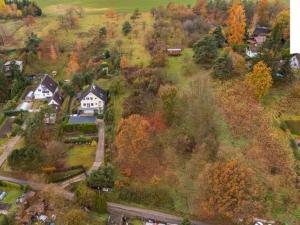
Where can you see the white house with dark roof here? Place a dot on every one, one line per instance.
(7, 67)
(295, 62)
(46, 88)
(93, 100)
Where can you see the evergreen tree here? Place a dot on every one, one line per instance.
(219, 37)
(126, 28)
(205, 51)
(223, 67)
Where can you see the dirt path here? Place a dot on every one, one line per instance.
(8, 148)
(99, 158)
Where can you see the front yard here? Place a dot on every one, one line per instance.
(81, 155)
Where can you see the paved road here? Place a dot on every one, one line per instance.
(8, 148)
(114, 208)
(99, 158)
(39, 186)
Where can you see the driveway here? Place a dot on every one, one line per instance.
(99, 158)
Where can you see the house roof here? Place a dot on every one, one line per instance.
(4, 206)
(99, 92)
(17, 62)
(58, 98)
(49, 83)
(261, 31)
(75, 119)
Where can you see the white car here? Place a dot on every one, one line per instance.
(2, 195)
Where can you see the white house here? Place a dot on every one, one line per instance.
(46, 88)
(93, 100)
(295, 61)
(9, 64)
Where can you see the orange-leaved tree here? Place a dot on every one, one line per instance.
(73, 65)
(2, 5)
(231, 191)
(236, 23)
(133, 138)
(263, 12)
(260, 79)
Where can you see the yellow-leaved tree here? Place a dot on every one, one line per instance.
(260, 79)
(2, 5)
(236, 23)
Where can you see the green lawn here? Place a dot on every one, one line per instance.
(117, 5)
(81, 155)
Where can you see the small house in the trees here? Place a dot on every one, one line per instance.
(12, 65)
(92, 100)
(258, 37)
(174, 51)
(56, 100)
(295, 62)
(46, 88)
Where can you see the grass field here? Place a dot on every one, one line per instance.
(98, 6)
(81, 155)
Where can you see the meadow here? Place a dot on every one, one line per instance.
(98, 6)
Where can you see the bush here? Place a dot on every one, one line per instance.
(3, 220)
(84, 127)
(28, 158)
(151, 196)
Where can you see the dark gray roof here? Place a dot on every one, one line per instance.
(261, 31)
(99, 92)
(57, 97)
(49, 83)
(81, 119)
(5, 206)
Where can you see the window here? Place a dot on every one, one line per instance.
(87, 98)
(91, 98)
(92, 104)
(84, 104)
(39, 90)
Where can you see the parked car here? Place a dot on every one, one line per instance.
(2, 195)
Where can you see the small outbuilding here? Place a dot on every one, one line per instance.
(174, 51)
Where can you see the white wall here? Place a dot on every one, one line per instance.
(91, 101)
(42, 92)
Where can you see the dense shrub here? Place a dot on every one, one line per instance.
(27, 158)
(150, 196)
(84, 127)
(102, 178)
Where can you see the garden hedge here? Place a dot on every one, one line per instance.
(80, 140)
(83, 127)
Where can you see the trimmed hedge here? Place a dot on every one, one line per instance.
(80, 140)
(13, 112)
(63, 175)
(83, 127)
